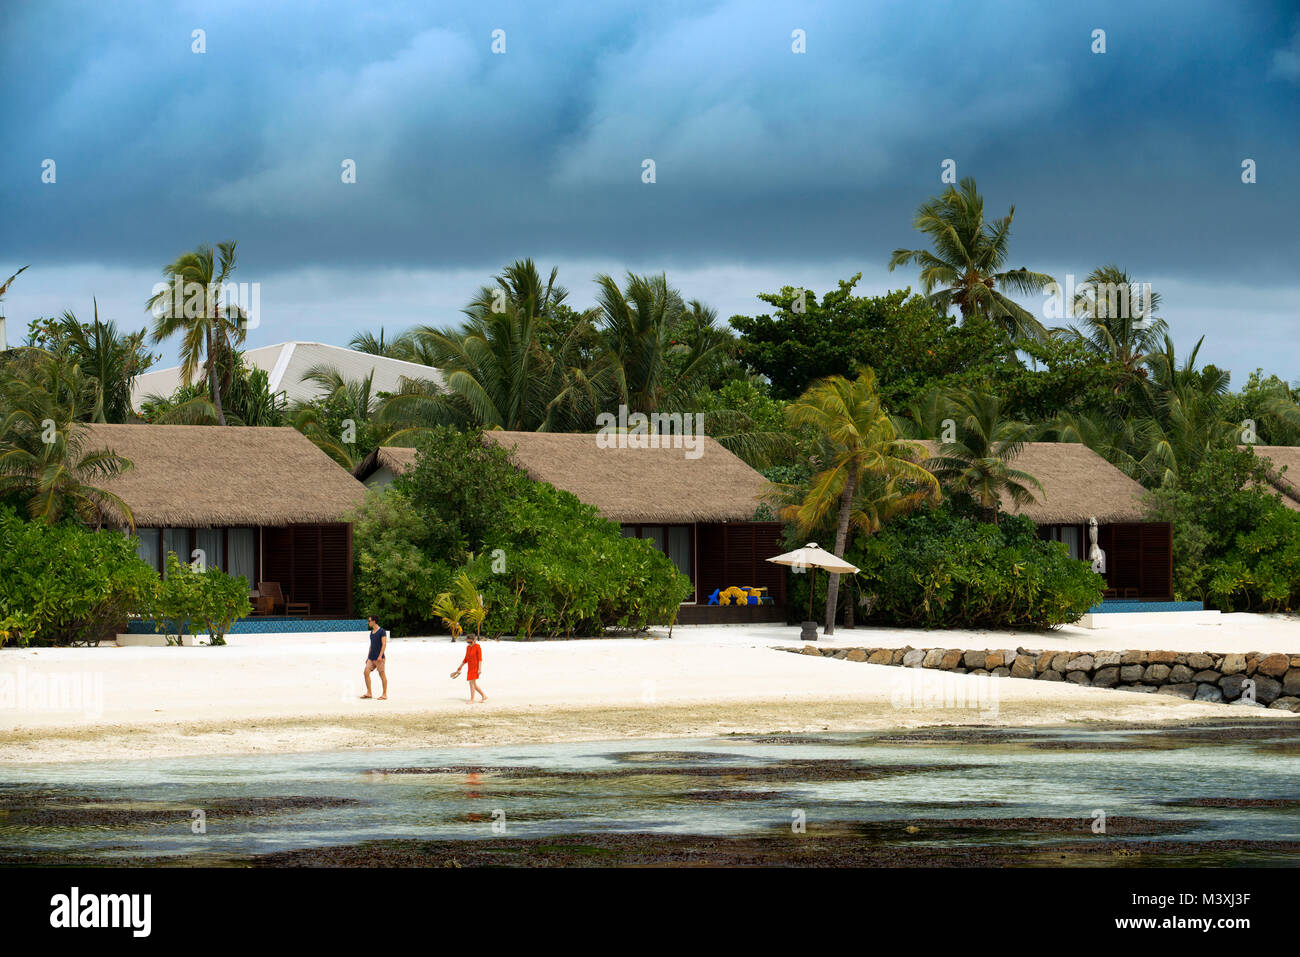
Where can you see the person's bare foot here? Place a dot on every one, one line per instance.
(364, 696)
(382, 697)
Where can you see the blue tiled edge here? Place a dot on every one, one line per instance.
(267, 626)
(1113, 606)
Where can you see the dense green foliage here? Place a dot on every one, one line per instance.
(525, 355)
(564, 570)
(1236, 546)
(395, 579)
(937, 569)
(545, 564)
(63, 584)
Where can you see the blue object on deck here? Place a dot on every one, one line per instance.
(1128, 606)
(713, 599)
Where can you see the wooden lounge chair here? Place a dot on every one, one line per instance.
(272, 598)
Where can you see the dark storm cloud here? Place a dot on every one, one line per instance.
(466, 157)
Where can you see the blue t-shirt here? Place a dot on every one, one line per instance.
(376, 643)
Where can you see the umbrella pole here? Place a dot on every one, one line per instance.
(808, 631)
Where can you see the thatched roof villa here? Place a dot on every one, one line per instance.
(1283, 471)
(698, 509)
(1078, 485)
(264, 503)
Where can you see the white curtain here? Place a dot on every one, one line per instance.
(242, 542)
(1070, 535)
(211, 541)
(177, 541)
(150, 543)
(679, 548)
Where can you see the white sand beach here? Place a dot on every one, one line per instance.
(302, 692)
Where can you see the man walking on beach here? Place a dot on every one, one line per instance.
(473, 658)
(375, 661)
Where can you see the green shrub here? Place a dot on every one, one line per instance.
(189, 601)
(555, 567)
(66, 585)
(1236, 547)
(1261, 569)
(545, 563)
(394, 579)
(460, 486)
(936, 569)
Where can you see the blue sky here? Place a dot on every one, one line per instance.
(772, 167)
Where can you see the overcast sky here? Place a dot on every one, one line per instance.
(772, 167)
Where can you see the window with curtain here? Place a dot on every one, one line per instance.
(1070, 536)
(656, 534)
(212, 541)
(176, 541)
(243, 544)
(679, 548)
(627, 531)
(149, 547)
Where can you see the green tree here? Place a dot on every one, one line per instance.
(46, 456)
(977, 460)
(967, 262)
(208, 329)
(497, 372)
(342, 421)
(656, 352)
(109, 358)
(61, 584)
(1118, 322)
(861, 440)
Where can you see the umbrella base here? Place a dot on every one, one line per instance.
(808, 631)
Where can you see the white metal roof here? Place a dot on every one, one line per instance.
(287, 362)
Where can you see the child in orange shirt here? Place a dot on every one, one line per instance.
(473, 658)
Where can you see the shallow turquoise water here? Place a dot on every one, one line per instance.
(901, 778)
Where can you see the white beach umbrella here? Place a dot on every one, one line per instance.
(814, 556)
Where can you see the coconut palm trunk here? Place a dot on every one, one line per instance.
(841, 541)
(214, 382)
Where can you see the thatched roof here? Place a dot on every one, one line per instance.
(1078, 484)
(625, 484)
(394, 458)
(202, 475)
(640, 485)
(1286, 484)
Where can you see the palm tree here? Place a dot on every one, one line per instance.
(110, 358)
(210, 330)
(861, 444)
(967, 262)
(1185, 419)
(497, 375)
(976, 462)
(4, 287)
(44, 454)
(1114, 325)
(354, 398)
(402, 347)
(657, 352)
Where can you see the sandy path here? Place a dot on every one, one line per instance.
(301, 693)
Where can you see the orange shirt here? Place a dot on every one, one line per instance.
(473, 656)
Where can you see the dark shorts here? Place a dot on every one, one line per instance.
(375, 661)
